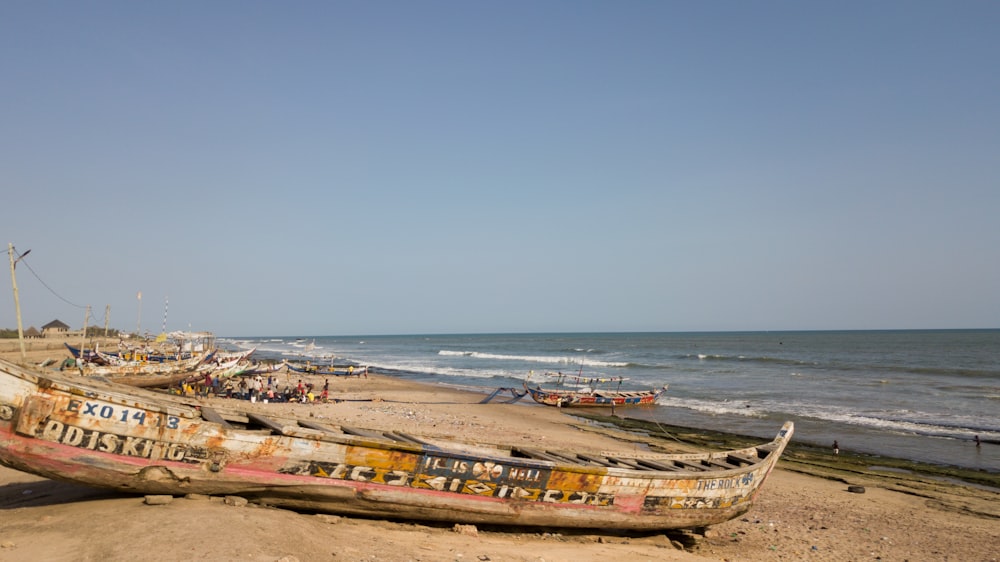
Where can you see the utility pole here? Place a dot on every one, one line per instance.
(107, 318)
(83, 343)
(17, 301)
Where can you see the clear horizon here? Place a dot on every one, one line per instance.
(446, 167)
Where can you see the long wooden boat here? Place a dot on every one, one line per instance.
(139, 368)
(593, 398)
(329, 371)
(98, 433)
(96, 356)
(258, 368)
(165, 375)
(163, 380)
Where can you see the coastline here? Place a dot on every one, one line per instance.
(804, 509)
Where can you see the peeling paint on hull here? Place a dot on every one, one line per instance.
(107, 435)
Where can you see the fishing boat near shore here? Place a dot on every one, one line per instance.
(588, 393)
(101, 434)
(329, 370)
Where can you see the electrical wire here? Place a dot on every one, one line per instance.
(21, 259)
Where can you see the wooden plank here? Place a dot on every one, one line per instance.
(718, 463)
(267, 422)
(741, 459)
(208, 414)
(595, 460)
(405, 438)
(690, 465)
(564, 458)
(234, 417)
(657, 465)
(362, 432)
(318, 427)
(628, 463)
(536, 454)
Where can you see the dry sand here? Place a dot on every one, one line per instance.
(803, 513)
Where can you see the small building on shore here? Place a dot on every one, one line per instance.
(55, 328)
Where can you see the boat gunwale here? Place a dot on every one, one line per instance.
(432, 446)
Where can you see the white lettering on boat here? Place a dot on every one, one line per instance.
(126, 445)
(133, 416)
(726, 483)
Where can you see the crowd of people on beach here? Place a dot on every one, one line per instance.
(256, 389)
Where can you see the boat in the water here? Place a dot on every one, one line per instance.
(98, 433)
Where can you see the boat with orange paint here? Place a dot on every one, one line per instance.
(99, 433)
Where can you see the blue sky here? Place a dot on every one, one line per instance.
(333, 168)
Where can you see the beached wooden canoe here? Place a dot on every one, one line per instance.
(141, 368)
(98, 357)
(328, 371)
(606, 398)
(98, 433)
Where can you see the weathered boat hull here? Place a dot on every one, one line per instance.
(143, 369)
(94, 356)
(106, 435)
(331, 371)
(573, 399)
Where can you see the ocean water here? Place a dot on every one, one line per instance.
(920, 395)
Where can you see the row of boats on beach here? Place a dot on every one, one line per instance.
(148, 369)
(109, 429)
(145, 368)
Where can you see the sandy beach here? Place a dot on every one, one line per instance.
(804, 512)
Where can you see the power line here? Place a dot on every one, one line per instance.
(44, 284)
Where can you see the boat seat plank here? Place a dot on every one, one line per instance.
(689, 465)
(563, 457)
(627, 463)
(741, 459)
(362, 432)
(405, 437)
(656, 465)
(209, 414)
(536, 454)
(234, 418)
(719, 463)
(267, 422)
(594, 460)
(318, 427)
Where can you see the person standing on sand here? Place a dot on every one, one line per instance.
(836, 447)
